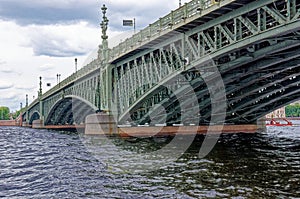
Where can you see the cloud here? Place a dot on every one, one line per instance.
(11, 99)
(2, 62)
(25, 87)
(5, 85)
(63, 40)
(48, 11)
(8, 70)
(50, 79)
(145, 12)
(5, 69)
(10, 96)
(46, 67)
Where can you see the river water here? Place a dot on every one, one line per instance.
(51, 164)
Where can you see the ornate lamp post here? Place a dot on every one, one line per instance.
(105, 69)
(58, 79)
(104, 25)
(26, 100)
(27, 116)
(40, 93)
(75, 65)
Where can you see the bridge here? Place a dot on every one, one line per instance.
(226, 61)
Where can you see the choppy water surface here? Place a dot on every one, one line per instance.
(50, 164)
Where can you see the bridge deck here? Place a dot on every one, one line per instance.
(181, 20)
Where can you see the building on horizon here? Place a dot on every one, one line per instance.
(279, 113)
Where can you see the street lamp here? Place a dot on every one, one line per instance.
(75, 65)
(58, 78)
(26, 100)
(180, 3)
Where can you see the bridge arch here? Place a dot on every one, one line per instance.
(70, 110)
(35, 116)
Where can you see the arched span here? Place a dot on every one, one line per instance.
(34, 116)
(256, 82)
(69, 110)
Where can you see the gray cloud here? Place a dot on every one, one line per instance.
(2, 62)
(46, 67)
(24, 87)
(49, 79)
(62, 40)
(47, 12)
(12, 100)
(145, 12)
(9, 71)
(59, 12)
(54, 47)
(5, 86)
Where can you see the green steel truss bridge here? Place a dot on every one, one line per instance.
(248, 49)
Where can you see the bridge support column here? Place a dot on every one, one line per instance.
(25, 124)
(261, 124)
(38, 124)
(100, 124)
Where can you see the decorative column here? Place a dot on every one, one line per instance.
(27, 113)
(37, 124)
(104, 26)
(75, 65)
(103, 121)
(40, 94)
(105, 69)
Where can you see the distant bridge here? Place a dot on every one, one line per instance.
(166, 73)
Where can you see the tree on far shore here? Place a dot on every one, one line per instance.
(4, 113)
(292, 110)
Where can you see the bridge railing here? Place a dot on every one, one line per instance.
(176, 17)
(92, 66)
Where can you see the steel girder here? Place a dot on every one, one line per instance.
(141, 76)
(257, 74)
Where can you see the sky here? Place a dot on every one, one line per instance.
(43, 38)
